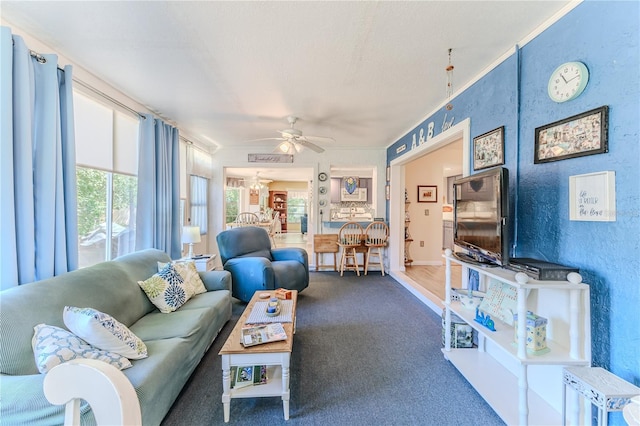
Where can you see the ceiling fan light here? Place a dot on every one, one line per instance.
(284, 147)
(298, 147)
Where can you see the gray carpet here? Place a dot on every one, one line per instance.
(365, 352)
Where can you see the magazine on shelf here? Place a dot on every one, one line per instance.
(263, 333)
(248, 376)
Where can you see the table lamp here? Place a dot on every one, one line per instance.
(190, 235)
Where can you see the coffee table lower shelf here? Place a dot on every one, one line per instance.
(278, 377)
(273, 387)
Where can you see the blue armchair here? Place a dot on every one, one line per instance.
(247, 254)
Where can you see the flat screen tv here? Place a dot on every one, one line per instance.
(481, 216)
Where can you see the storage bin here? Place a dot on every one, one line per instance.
(536, 331)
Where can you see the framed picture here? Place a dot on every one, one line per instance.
(488, 149)
(427, 194)
(582, 134)
(592, 197)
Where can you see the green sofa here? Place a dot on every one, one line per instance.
(176, 342)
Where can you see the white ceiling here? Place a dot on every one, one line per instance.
(361, 72)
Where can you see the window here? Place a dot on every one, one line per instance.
(198, 206)
(106, 206)
(106, 167)
(296, 205)
(232, 201)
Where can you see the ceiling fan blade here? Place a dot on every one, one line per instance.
(319, 138)
(309, 145)
(266, 139)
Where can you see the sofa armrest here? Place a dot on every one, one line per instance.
(290, 253)
(216, 280)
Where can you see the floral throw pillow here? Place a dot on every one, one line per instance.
(189, 273)
(166, 289)
(104, 332)
(191, 277)
(53, 346)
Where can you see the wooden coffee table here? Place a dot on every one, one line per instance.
(275, 355)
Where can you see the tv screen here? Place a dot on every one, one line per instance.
(481, 210)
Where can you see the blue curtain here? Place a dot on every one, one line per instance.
(38, 219)
(158, 216)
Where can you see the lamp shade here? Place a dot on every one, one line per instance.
(190, 234)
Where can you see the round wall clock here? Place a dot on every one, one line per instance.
(568, 81)
(322, 177)
(322, 190)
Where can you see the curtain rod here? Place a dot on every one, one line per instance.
(40, 58)
(107, 97)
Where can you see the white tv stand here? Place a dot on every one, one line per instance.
(523, 388)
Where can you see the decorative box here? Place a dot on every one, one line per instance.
(461, 332)
(536, 331)
(283, 294)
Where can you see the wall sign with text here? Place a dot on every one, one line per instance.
(592, 197)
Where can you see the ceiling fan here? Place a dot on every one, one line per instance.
(293, 140)
(257, 182)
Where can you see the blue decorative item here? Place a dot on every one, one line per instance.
(474, 280)
(485, 320)
(350, 184)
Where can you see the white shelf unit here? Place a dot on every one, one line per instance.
(521, 387)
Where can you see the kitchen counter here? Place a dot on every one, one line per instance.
(338, 223)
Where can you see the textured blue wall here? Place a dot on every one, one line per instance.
(605, 36)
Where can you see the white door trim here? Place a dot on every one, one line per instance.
(462, 131)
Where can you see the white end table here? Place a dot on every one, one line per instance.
(204, 263)
(603, 389)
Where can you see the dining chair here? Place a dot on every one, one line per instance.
(375, 239)
(247, 219)
(350, 240)
(274, 228)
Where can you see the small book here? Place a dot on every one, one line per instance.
(264, 333)
(248, 375)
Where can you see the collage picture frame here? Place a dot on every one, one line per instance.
(575, 136)
(488, 149)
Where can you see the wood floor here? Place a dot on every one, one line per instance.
(432, 278)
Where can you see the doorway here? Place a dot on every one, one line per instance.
(248, 189)
(400, 169)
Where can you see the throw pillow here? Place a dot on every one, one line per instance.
(166, 289)
(189, 273)
(191, 277)
(53, 346)
(104, 332)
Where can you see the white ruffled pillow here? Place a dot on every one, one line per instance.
(104, 332)
(53, 346)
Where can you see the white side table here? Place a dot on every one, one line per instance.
(603, 389)
(204, 263)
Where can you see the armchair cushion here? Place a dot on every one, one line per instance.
(247, 254)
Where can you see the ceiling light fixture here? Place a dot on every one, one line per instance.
(449, 69)
(284, 147)
(289, 146)
(255, 183)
